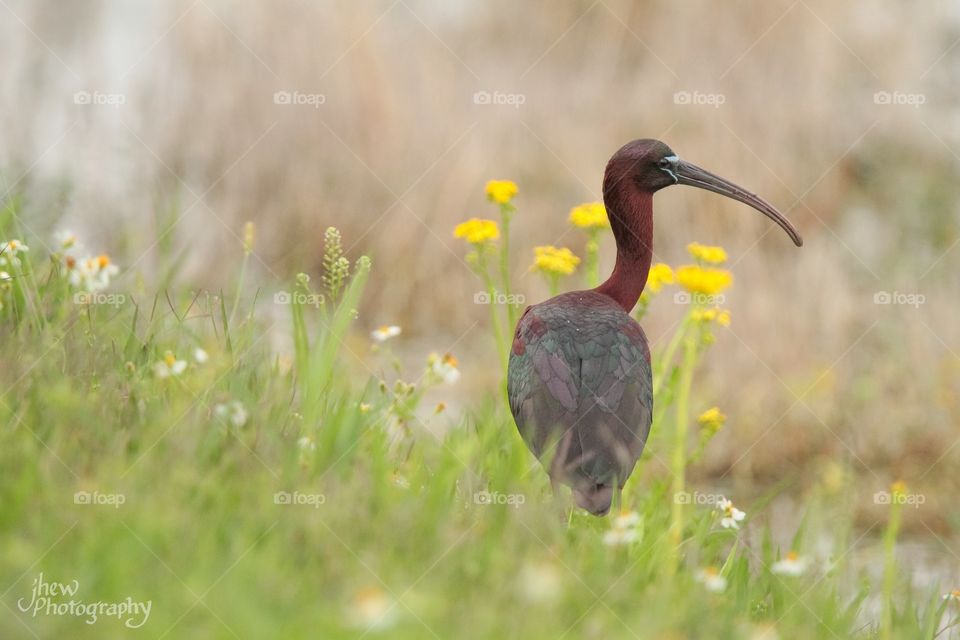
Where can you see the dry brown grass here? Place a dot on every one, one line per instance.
(399, 152)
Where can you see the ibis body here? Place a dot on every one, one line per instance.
(579, 380)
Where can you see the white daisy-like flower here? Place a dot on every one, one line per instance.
(710, 578)
(169, 366)
(624, 529)
(625, 520)
(66, 240)
(731, 515)
(306, 443)
(372, 609)
(792, 564)
(620, 537)
(444, 367)
(232, 412)
(539, 582)
(953, 595)
(10, 250)
(384, 333)
(91, 274)
(200, 355)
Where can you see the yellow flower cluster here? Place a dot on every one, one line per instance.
(501, 191)
(660, 274)
(708, 254)
(720, 316)
(551, 260)
(898, 488)
(477, 231)
(705, 280)
(712, 420)
(589, 215)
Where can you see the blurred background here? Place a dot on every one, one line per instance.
(155, 130)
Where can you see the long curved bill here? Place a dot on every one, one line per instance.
(690, 174)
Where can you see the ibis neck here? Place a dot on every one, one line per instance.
(631, 219)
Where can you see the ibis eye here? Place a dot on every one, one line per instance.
(664, 163)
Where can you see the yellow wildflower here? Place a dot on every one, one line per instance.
(660, 274)
(705, 280)
(477, 231)
(589, 215)
(720, 316)
(501, 191)
(711, 419)
(898, 488)
(706, 253)
(554, 261)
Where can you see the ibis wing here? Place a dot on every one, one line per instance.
(579, 380)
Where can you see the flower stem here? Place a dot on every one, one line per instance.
(593, 260)
(667, 358)
(679, 458)
(488, 282)
(505, 214)
(890, 564)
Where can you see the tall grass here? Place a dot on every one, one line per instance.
(311, 516)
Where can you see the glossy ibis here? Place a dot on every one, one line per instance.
(579, 380)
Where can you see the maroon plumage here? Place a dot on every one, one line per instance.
(579, 380)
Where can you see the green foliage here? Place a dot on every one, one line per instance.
(311, 518)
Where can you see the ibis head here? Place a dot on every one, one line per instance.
(650, 165)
